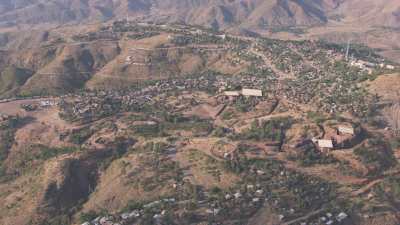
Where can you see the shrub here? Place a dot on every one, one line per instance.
(80, 136)
(377, 155)
(47, 152)
(88, 216)
(272, 130)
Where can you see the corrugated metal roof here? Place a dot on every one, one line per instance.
(346, 130)
(232, 93)
(252, 92)
(325, 143)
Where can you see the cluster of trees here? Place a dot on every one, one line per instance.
(196, 39)
(141, 35)
(270, 130)
(80, 136)
(309, 156)
(173, 122)
(377, 155)
(7, 133)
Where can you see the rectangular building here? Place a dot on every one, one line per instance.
(252, 92)
(231, 93)
(346, 130)
(325, 143)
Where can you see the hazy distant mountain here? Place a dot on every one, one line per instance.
(253, 14)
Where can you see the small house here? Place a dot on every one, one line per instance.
(252, 92)
(260, 172)
(231, 93)
(345, 130)
(390, 67)
(325, 145)
(250, 186)
(237, 195)
(341, 216)
(222, 36)
(260, 191)
(47, 103)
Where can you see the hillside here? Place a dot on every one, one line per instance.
(121, 54)
(218, 14)
(220, 112)
(173, 124)
(363, 21)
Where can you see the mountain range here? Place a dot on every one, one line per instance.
(221, 14)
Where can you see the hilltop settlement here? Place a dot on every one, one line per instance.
(192, 126)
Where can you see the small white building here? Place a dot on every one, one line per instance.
(198, 32)
(222, 36)
(252, 92)
(237, 195)
(325, 143)
(260, 191)
(250, 186)
(47, 103)
(358, 64)
(330, 222)
(341, 216)
(231, 93)
(390, 67)
(226, 155)
(128, 59)
(346, 130)
(260, 172)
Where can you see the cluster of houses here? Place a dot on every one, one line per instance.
(331, 92)
(340, 139)
(253, 194)
(47, 103)
(363, 65)
(316, 78)
(369, 67)
(90, 105)
(129, 216)
(331, 219)
(282, 56)
(41, 104)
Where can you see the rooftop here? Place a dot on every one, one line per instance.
(325, 143)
